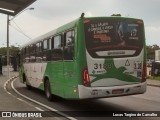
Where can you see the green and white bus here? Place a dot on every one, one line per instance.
(90, 57)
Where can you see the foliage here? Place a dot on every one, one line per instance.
(154, 78)
(12, 50)
(151, 51)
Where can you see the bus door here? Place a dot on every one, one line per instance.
(55, 67)
(36, 55)
(69, 71)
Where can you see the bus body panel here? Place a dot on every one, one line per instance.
(103, 92)
(109, 76)
(115, 51)
(115, 72)
(34, 73)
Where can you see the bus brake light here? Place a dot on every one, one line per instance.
(86, 21)
(86, 79)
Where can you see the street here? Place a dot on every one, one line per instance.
(150, 101)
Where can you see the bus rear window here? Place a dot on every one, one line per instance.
(114, 38)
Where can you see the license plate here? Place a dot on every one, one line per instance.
(117, 91)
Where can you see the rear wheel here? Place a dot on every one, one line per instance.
(27, 85)
(49, 95)
(48, 90)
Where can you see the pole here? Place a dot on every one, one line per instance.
(1, 64)
(8, 65)
(8, 57)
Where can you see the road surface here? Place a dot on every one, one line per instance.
(150, 101)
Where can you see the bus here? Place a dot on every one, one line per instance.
(90, 57)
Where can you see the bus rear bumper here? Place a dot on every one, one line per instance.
(113, 91)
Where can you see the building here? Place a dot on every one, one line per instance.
(157, 55)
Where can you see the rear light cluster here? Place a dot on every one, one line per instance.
(86, 79)
(144, 74)
(86, 21)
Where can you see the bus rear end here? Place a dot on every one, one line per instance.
(115, 57)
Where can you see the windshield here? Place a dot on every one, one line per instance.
(114, 38)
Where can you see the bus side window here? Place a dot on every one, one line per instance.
(57, 52)
(32, 53)
(69, 45)
(26, 58)
(24, 54)
(47, 50)
(39, 52)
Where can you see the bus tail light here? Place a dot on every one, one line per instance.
(86, 21)
(144, 74)
(86, 79)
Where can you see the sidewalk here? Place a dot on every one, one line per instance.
(11, 103)
(155, 83)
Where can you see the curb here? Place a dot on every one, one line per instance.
(10, 79)
(153, 85)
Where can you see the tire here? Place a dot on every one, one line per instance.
(27, 85)
(47, 89)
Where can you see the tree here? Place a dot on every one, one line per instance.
(13, 50)
(3, 51)
(151, 51)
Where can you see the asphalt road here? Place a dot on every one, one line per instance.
(150, 101)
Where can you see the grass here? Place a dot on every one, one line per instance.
(154, 78)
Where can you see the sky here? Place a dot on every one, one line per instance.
(50, 14)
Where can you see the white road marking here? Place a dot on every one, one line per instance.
(20, 99)
(39, 109)
(41, 104)
(9, 93)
